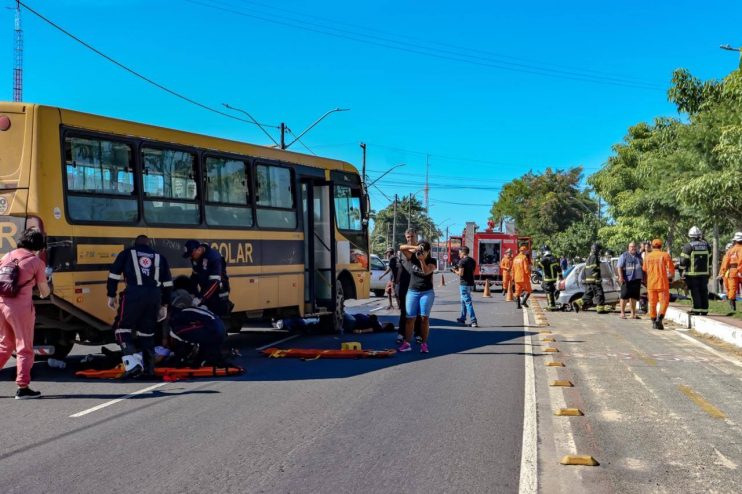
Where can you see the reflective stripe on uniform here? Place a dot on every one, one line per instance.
(122, 331)
(115, 276)
(137, 271)
(215, 277)
(157, 269)
(167, 283)
(139, 333)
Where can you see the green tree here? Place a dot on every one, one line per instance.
(383, 224)
(543, 205)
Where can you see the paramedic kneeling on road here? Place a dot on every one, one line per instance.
(195, 330)
(142, 303)
(209, 276)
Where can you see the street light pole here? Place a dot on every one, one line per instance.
(363, 173)
(731, 48)
(301, 134)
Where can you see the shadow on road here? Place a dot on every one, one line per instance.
(445, 340)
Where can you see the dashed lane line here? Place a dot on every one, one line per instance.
(117, 400)
(261, 348)
(529, 449)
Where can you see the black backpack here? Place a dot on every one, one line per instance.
(9, 274)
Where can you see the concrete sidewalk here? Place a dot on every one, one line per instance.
(728, 329)
(661, 409)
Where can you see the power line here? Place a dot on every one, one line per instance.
(137, 74)
(448, 45)
(427, 51)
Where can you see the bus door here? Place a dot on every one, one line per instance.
(319, 246)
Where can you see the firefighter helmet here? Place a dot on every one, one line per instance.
(695, 232)
(737, 237)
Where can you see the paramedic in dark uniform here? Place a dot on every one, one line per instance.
(208, 276)
(196, 334)
(141, 305)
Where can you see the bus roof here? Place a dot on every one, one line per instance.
(128, 128)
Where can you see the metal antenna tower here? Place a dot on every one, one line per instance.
(18, 55)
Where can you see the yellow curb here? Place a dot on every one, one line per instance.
(551, 350)
(569, 412)
(549, 340)
(584, 460)
(561, 384)
(554, 364)
(545, 331)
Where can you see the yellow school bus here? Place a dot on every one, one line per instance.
(292, 228)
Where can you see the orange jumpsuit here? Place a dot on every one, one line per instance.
(658, 268)
(522, 274)
(506, 266)
(731, 270)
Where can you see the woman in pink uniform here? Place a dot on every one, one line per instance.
(17, 314)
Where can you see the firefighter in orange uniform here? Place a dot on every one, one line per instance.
(731, 270)
(522, 277)
(659, 270)
(506, 270)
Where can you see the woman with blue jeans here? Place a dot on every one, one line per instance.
(420, 296)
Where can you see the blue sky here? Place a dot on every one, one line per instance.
(499, 89)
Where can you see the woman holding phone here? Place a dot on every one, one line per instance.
(420, 296)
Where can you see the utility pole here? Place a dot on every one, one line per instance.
(394, 222)
(409, 212)
(283, 135)
(18, 52)
(363, 173)
(427, 188)
(448, 258)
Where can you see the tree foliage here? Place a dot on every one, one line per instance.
(381, 236)
(543, 205)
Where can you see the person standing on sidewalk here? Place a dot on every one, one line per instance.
(403, 282)
(660, 270)
(506, 271)
(630, 276)
(17, 313)
(420, 296)
(552, 269)
(731, 269)
(694, 269)
(522, 277)
(465, 272)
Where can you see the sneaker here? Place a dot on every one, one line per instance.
(405, 347)
(26, 394)
(418, 339)
(577, 306)
(424, 348)
(474, 324)
(461, 321)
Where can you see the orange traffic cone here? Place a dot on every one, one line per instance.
(487, 293)
(443, 280)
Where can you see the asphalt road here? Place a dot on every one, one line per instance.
(662, 410)
(449, 421)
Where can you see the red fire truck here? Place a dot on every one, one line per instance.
(487, 248)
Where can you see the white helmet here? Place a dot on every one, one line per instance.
(695, 232)
(737, 237)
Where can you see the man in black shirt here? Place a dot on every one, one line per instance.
(465, 271)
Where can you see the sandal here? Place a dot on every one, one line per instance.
(623, 317)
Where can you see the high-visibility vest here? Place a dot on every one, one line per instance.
(695, 258)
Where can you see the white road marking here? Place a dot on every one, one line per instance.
(377, 308)
(113, 402)
(277, 342)
(529, 449)
(708, 348)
